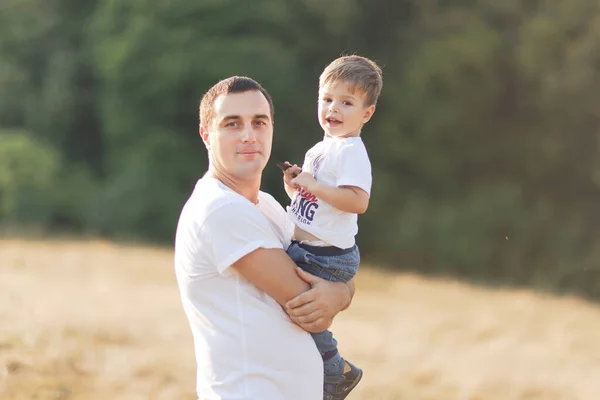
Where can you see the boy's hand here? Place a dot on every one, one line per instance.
(306, 181)
(289, 172)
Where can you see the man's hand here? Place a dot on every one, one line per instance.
(306, 181)
(314, 309)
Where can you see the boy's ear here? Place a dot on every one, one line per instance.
(369, 111)
(205, 137)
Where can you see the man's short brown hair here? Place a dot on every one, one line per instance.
(359, 72)
(234, 84)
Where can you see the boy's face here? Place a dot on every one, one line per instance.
(342, 110)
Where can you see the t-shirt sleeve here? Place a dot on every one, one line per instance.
(278, 215)
(354, 167)
(234, 230)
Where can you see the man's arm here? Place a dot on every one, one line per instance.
(273, 272)
(346, 198)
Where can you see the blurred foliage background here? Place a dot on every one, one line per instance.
(485, 143)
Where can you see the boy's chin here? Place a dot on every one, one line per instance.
(333, 132)
(338, 134)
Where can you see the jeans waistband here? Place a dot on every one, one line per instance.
(325, 250)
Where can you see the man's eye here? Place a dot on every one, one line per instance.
(230, 124)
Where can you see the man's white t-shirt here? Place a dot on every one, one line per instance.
(334, 162)
(246, 346)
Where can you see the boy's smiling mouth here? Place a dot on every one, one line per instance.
(331, 121)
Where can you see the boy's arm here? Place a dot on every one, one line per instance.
(289, 189)
(289, 172)
(350, 199)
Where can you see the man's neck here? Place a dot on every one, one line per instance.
(247, 188)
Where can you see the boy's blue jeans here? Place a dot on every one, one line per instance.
(332, 264)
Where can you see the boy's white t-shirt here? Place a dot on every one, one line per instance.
(334, 162)
(246, 346)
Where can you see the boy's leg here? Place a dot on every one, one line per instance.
(340, 375)
(333, 363)
(326, 344)
(301, 256)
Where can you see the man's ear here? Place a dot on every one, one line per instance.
(369, 111)
(205, 137)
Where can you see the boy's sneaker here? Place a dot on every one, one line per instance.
(337, 387)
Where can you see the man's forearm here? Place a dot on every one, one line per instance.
(273, 272)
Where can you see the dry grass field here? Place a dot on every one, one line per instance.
(94, 320)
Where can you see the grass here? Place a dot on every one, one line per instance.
(94, 320)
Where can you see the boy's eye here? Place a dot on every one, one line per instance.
(347, 103)
(327, 100)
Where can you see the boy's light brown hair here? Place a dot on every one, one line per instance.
(359, 72)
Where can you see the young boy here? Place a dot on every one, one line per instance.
(330, 189)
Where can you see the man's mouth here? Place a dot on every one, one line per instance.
(248, 152)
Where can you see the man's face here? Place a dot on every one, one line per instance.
(240, 135)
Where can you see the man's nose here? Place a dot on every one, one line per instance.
(247, 134)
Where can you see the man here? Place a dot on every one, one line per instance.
(233, 273)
